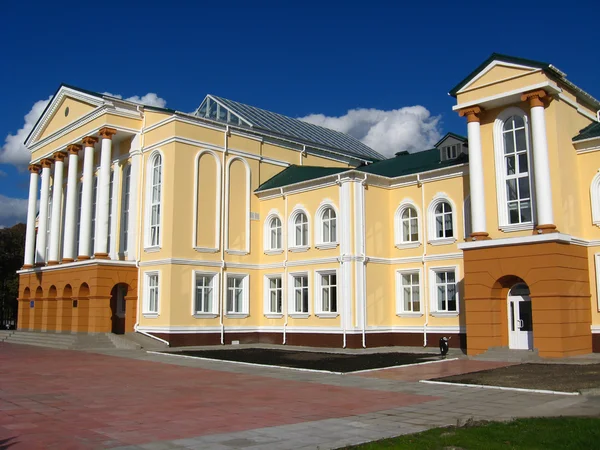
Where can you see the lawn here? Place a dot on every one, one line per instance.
(538, 433)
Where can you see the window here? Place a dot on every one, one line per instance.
(518, 187)
(125, 208)
(451, 151)
(409, 292)
(443, 220)
(204, 293)
(155, 193)
(275, 234)
(299, 289)
(152, 294)
(328, 226)
(274, 295)
(79, 198)
(410, 225)
(237, 295)
(299, 230)
(94, 212)
(48, 224)
(445, 290)
(109, 239)
(327, 292)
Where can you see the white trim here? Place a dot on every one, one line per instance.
(226, 264)
(266, 295)
(292, 244)
(400, 293)
(246, 248)
(583, 112)
(595, 199)
(501, 388)
(534, 239)
(148, 246)
(440, 197)
(245, 312)
(597, 267)
(268, 250)
(214, 284)
(319, 242)
(399, 241)
(433, 303)
(76, 264)
(318, 329)
(509, 96)
(217, 201)
(291, 298)
(318, 298)
(490, 66)
(588, 149)
(516, 227)
(145, 302)
(415, 259)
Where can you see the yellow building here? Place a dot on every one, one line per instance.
(239, 224)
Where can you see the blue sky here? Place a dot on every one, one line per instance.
(297, 59)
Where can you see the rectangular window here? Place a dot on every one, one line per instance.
(125, 208)
(300, 293)
(328, 292)
(237, 294)
(409, 292)
(204, 293)
(274, 295)
(152, 293)
(445, 287)
(110, 214)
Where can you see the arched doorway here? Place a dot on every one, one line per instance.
(520, 318)
(118, 308)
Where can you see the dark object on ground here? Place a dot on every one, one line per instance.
(553, 377)
(333, 362)
(444, 345)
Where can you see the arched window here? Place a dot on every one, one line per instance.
(275, 234)
(443, 221)
(409, 225)
(154, 196)
(301, 230)
(595, 198)
(327, 226)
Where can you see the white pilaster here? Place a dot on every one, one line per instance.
(31, 210)
(134, 186)
(85, 223)
(345, 299)
(114, 208)
(57, 193)
(101, 242)
(71, 206)
(476, 181)
(43, 214)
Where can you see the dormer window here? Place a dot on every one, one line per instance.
(451, 151)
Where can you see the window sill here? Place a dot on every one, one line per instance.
(299, 315)
(206, 250)
(273, 252)
(236, 315)
(516, 227)
(273, 315)
(403, 245)
(410, 314)
(153, 249)
(205, 315)
(327, 315)
(151, 315)
(444, 314)
(299, 249)
(236, 252)
(327, 245)
(442, 241)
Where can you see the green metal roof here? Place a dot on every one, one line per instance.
(591, 131)
(296, 174)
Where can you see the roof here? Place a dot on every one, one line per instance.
(450, 134)
(296, 174)
(591, 131)
(255, 118)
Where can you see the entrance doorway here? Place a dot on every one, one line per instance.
(520, 318)
(117, 307)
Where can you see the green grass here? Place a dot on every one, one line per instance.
(539, 433)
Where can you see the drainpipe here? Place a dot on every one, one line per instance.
(363, 261)
(424, 237)
(223, 212)
(342, 262)
(284, 286)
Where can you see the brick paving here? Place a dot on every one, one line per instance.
(61, 399)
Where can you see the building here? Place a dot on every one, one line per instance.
(238, 224)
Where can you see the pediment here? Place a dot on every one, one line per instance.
(496, 72)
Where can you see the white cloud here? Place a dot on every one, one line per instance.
(411, 128)
(13, 210)
(14, 151)
(150, 99)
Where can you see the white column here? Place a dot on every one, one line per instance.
(43, 214)
(101, 243)
(85, 223)
(134, 187)
(34, 176)
(71, 206)
(114, 210)
(476, 181)
(57, 193)
(541, 164)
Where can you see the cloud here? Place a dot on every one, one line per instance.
(14, 151)
(150, 99)
(13, 211)
(411, 128)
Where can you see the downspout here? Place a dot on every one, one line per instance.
(342, 262)
(284, 286)
(424, 237)
(363, 258)
(223, 212)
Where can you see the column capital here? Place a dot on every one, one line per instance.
(34, 168)
(73, 149)
(107, 133)
(535, 97)
(59, 156)
(46, 163)
(89, 141)
(471, 113)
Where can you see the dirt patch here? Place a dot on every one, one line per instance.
(332, 362)
(553, 377)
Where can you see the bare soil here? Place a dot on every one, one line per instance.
(332, 362)
(553, 377)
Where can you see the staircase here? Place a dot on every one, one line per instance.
(81, 341)
(508, 355)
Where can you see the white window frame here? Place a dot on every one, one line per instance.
(597, 264)
(400, 311)
(125, 209)
(292, 245)
(268, 249)
(214, 284)
(398, 222)
(146, 308)
(245, 312)
(503, 219)
(595, 199)
(148, 245)
(291, 295)
(268, 312)
(431, 220)
(321, 243)
(433, 291)
(318, 281)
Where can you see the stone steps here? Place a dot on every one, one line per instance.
(81, 341)
(4, 334)
(508, 355)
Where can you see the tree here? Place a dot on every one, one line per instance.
(12, 241)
